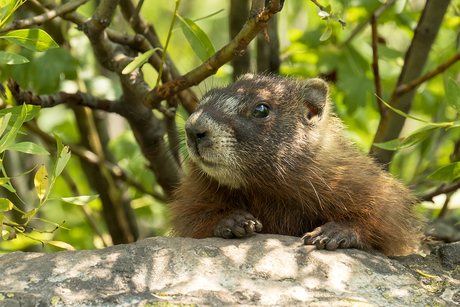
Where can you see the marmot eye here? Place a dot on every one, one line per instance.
(261, 111)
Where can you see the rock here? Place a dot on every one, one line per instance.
(263, 270)
(449, 254)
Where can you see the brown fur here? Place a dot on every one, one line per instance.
(293, 170)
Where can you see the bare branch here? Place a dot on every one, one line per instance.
(443, 189)
(376, 13)
(235, 48)
(49, 101)
(404, 88)
(37, 20)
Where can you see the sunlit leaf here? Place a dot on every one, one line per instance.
(412, 139)
(326, 34)
(79, 200)
(33, 39)
(199, 41)
(5, 234)
(30, 213)
(5, 204)
(453, 94)
(4, 123)
(4, 180)
(138, 62)
(9, 188)
(9, 137)
(41, 182)
(15, 112)
(63, 245)
(62, 161)
(399, 6)
(28, 147)
(12, 59)
(446, 173)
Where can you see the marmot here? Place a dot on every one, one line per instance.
(266, 155)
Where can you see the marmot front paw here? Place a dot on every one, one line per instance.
(332, 235)
(238, 224)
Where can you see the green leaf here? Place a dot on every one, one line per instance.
(390, 145)
(28, 147)
(9, 137)
(16, 112)
(453, 94)
(412, 139)
(200, 42)
(79, 200)
(5, 204)
(328, 8)
(446, 173)
(33, 39)
(41, 182)
(4, 122)
(30, 213)
(4, 3)
(9, 188)
(138, 62)
(335, 17)
(62, 161)
(61, 245)
(326, 34)
(4, 180)
(12, 59)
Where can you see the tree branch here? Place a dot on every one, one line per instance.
(375, 62)
(404, 88)
(235, 48)
(37, 20)
(443, 189)
(391, 123)
(48, 101)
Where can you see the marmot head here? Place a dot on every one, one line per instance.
(256, 129)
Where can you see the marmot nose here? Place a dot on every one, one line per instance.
(198, 135)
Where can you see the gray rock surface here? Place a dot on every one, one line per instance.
(263, 270)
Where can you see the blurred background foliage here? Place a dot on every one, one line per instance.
(346, 64)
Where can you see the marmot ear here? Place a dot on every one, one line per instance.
(315, 94)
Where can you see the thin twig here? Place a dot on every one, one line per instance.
(360, 27)
(443, 189)
(38, 20)
(404, 88)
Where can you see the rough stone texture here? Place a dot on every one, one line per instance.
(264, 270)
